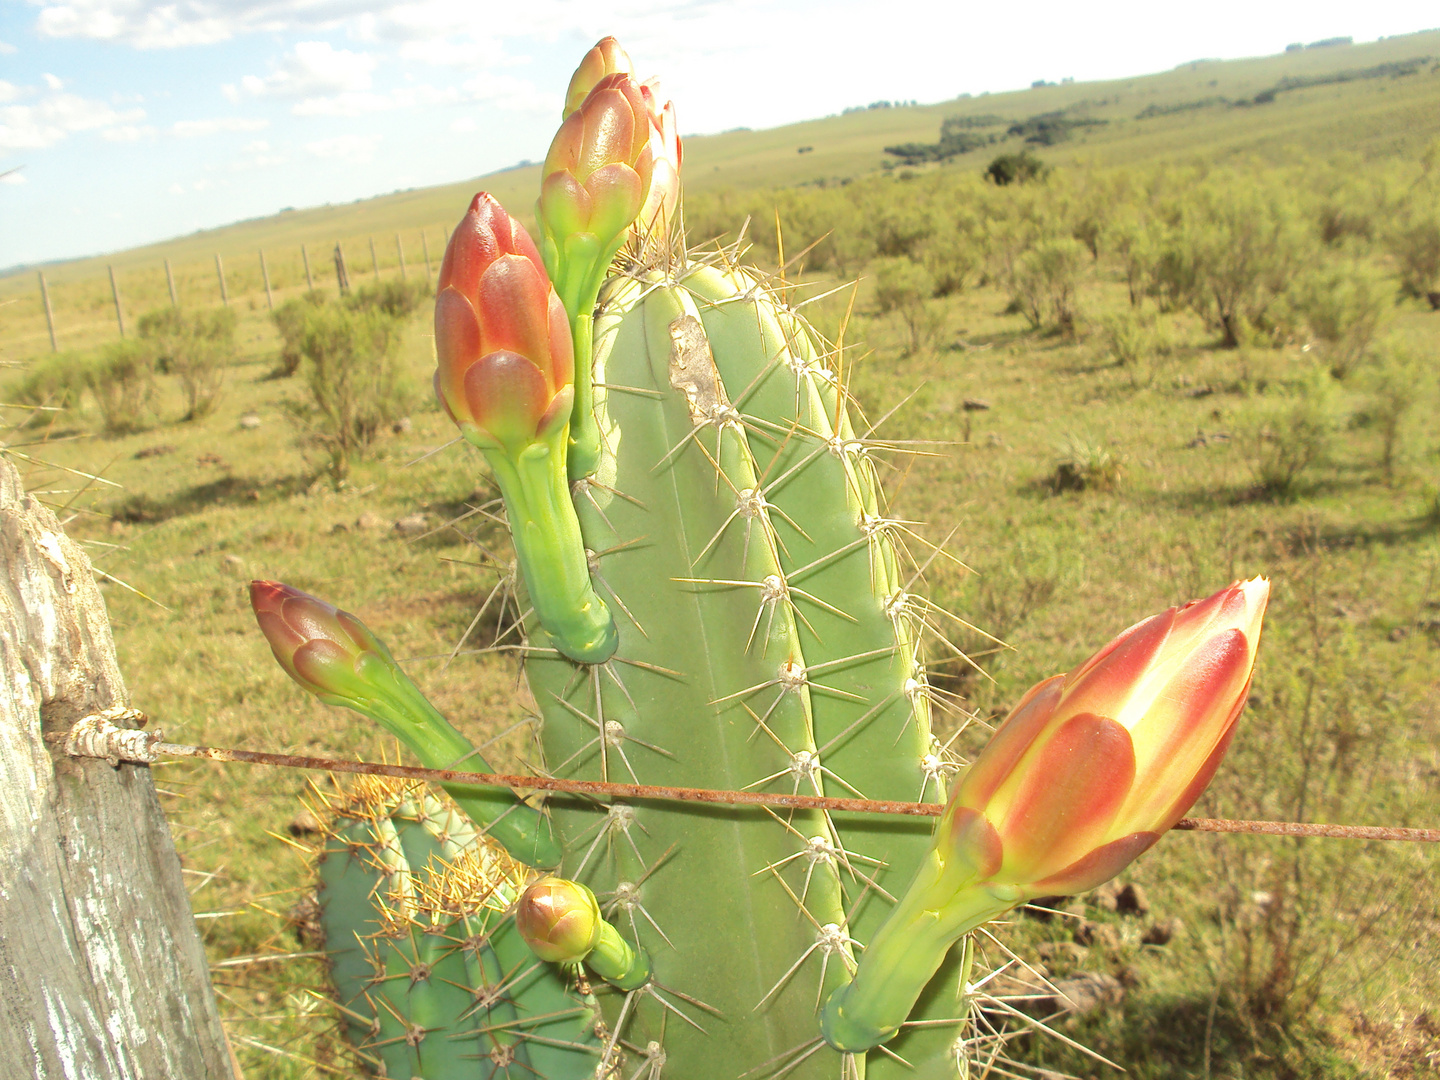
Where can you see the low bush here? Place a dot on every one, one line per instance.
(1044, 283)
(122, 380)
(196, 347)
(358, 385)
(1286, 440)
(1085, 465)
(55, 383)
(1345, 305)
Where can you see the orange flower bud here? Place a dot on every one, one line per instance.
(1091, 768)
(606, 58)
(506, 363)
(597, 173)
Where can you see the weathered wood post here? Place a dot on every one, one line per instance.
(220, 273)
(374, 262)
(309, 281)
(170, 281)
(400, 248)
(102, 973)
(425, 247)
(49, 314)
(115, 295)
(341, 277)
(265, 276)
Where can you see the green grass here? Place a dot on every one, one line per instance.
(1343, 724)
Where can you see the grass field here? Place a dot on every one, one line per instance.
(1290, 959)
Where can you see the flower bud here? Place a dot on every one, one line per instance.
(606, 58)
(560, 920)
(664, 197)
(1092, 767)
(327, 651)
(597, 174)
(503, 342)
(1085, 774)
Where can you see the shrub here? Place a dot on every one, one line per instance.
(197, 348)
(1235, 255)
(289, 320)
(1085, 465)
(55, 382)
(356, 380)
(1415, 243)
(1044, 282)
(1285, 441)
(1391, 387)
(1136, 341)
(1344, 305)
(122, 380)
(398, 299)
(905, 288)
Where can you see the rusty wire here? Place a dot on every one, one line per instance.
(602, 789)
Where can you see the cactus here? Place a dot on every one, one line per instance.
(430, 974)
(717, 598)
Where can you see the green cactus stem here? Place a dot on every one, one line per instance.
(430, 974)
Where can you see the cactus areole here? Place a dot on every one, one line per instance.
(715, 596)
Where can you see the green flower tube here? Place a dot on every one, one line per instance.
(1087, 772)
(334, 656)
(506, 377)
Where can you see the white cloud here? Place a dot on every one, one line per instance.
(7, 49)
(14, 176)
(28, 127)
(356, 149)
(54, 82)
(177, 189)
(194, 129)
(465, 125)
(10, 92)
(314, 69)
(129, 133)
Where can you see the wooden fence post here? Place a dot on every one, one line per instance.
(265, 275)
(425, 246)
(49, 315)
(115, 295)
(374, 262)
(309, 281)
(220, 273)
(170, 280)
(341, 277)
(102, 972)
(400, 248)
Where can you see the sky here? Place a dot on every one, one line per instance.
(124, 122)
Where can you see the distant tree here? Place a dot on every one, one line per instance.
(1016, 168)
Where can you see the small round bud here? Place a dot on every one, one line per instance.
(559, 920)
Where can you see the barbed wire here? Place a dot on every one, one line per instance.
(98, 736)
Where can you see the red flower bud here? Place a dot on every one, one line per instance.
(326, 650)
(501, 335)
(597, 173)
(1092, 767)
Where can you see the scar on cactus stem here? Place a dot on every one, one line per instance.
(334, 656)
(1087, 772)
(505, 375)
